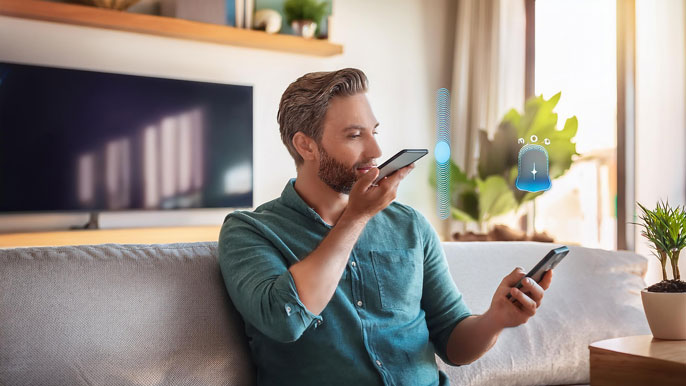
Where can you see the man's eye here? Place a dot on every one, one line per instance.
(357, 135)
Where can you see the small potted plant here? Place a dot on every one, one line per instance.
(304, 16)
(665, 302)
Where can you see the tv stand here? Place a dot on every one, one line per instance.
(156, 235)
(91, 224)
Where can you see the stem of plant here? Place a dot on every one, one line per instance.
(674, 259)
(663, 260)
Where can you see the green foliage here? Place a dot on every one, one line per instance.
(499, 155)
(304, 10)
(492, 192)
(665, 229)
(495, 197)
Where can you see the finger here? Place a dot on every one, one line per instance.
(514, 276)
(401, 173)
(527, 305)
(366, 180)
(547, 278)
(409, 168)
(533, 290)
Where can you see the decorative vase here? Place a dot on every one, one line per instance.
(304, 28)
(666, 314)
(267, 19)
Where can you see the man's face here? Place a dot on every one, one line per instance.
(348, 147)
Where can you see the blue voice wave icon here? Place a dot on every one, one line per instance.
(442, 152)
(532, 169)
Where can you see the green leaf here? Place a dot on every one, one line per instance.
(304, 10)
(461, 216)
(468, 200)
(513, 118)
(512, 175)
(530, 196)
(463, 195)
(495, 197)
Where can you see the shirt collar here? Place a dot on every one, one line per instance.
(292, 199)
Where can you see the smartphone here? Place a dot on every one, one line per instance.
(550, 261)
(400, 160)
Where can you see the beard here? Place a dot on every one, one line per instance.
(339, 177)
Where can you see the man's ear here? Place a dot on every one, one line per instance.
(305, 146)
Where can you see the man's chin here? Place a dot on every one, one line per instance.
(341, 184)
(344, 189)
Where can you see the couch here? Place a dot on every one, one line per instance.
(159, 315)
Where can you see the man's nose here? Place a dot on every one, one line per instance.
(373, 150)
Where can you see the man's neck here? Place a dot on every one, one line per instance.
(328, 203)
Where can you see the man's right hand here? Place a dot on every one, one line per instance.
(366, 200)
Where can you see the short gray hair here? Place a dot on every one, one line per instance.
(304, 103)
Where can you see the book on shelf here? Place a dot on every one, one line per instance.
(234, 13)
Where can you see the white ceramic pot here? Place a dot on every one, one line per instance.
(304, 28)
(666, 314)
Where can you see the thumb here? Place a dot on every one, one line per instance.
(512, 279)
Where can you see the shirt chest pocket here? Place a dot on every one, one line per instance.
(399, 275)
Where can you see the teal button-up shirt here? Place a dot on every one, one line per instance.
(394, 307)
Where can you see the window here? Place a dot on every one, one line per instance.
(576, 54)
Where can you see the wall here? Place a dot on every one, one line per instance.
(404, 46)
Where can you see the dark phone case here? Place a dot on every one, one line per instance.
(550, 261)
(416, 153)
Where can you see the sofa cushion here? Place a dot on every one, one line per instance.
(119, 314)
(594, 295)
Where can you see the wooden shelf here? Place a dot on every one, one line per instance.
(159, 235)
(164, 26)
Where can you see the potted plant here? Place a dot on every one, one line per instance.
(492, 191)
(665, 302)
(304, 16)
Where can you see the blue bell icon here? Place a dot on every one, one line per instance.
(532, 172)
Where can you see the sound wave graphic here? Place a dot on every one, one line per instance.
(442, 152)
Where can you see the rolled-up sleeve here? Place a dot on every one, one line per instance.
(441, 300)
(259, 283)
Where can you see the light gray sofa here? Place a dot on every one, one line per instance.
(160, 315)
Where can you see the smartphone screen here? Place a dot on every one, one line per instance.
(398, 161)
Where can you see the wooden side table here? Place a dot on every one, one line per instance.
(638, 360)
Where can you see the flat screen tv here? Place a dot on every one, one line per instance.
(74, 140)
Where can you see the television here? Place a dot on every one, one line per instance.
(75, 140)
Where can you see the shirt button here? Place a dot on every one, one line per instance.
(378, 363)
(319, 322)
(359, 303)
(353, 264)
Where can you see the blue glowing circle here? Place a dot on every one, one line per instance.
(442, 152)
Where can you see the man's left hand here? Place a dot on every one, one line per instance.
(510, 313)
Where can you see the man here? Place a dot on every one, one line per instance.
(337, 283)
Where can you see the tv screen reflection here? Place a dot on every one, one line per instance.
(73, 140)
